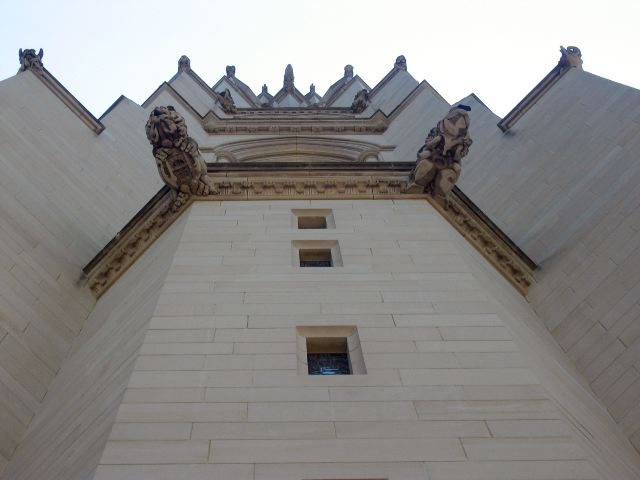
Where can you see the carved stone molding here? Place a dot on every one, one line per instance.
(336, 121)
(134, 239)
(486, 239)
(165, 208)
(296, 148)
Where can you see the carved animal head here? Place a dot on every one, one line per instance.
(165, 128)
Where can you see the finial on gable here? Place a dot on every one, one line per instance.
(288, 85)
(231, 71)
(184, 64)
(265, 88)
(348, 71)
(29, 60)
(571, 57)
(312, 88)
(401, 63)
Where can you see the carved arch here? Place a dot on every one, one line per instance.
(299, 149)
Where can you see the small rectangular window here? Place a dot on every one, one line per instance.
(312, 223)
(313, 218)
(316, 258)
(316, 253)
(329, 350)
(328, 356)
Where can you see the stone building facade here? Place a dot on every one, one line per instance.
(165, 309)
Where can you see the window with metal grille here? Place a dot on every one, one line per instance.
(316, 257)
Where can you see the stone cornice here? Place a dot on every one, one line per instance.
(304, 184)
(71, 102)
(294, 120)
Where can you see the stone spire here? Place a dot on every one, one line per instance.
(348, 72)
(288, 85)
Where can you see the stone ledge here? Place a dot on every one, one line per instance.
(166, 207)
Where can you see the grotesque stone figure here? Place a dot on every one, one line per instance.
(571, 57)
(226, 101)
(184, 64)
(231, 71)
(438, 164)
(177, 156)
(287, 84)
(348, 71)
(29, 60)
(360, 102)
(401, 63)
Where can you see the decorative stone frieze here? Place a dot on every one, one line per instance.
(278, 122)
(134, 239)
(168, 204)
(30, 60)
(438, 164)
(177, 155)
(486, 239)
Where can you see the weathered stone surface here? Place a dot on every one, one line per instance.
(438, 165)
(177, 156)
(30, 60)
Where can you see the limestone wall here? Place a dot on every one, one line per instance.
(64, 192)
(564, 185)
(216, 391)
(67, 436)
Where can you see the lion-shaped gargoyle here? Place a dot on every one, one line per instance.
(438, 164)
(177, 156)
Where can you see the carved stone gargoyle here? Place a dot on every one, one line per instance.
(571, 57)
(438, 164)
(29, 60)
(226, 101)
(177, 155)
(401, 63)
(360, 102)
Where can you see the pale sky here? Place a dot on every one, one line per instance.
(498, 50)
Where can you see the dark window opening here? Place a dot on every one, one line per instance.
(312, 222)
(316, 258)
(328, 364)
(328, 356)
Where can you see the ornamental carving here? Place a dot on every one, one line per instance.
(288, 82)
(226, 101)
(571, 57)
(177, 155)
(184, 64)
(30, 60)
(438, 164)
(122, 252)
(401, 63)
(360, 102)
